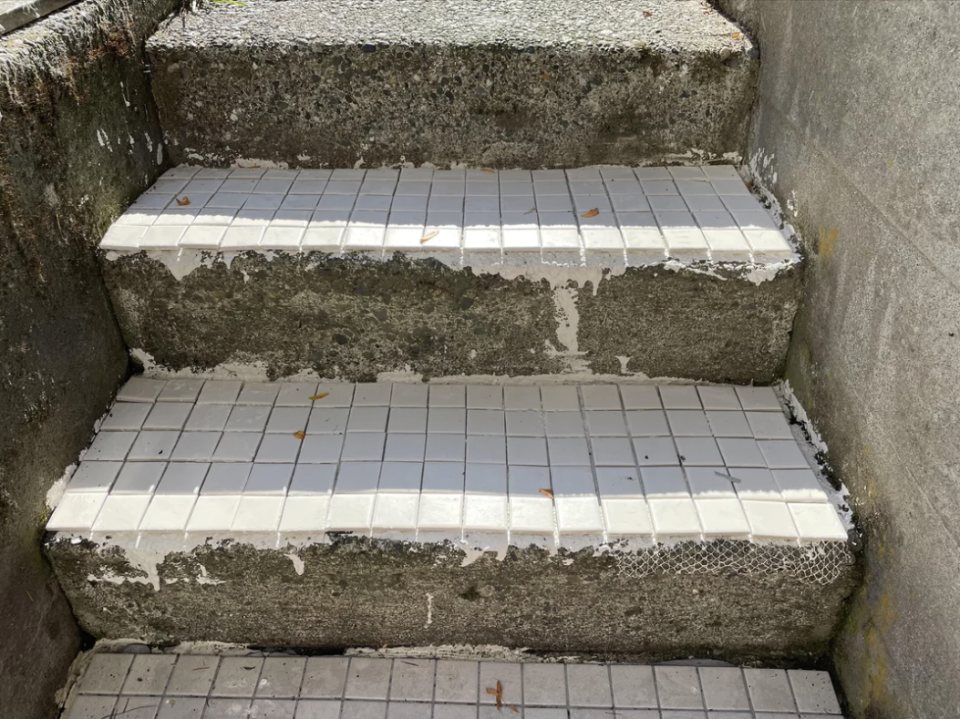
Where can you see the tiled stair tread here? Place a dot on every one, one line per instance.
(607, 216)
(361, 687)
(609, 462)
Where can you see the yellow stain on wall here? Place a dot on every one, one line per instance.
(828, 238)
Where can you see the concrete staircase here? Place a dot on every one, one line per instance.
(591, 467)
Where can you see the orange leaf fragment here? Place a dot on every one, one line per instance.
(545, 76)
(736, 36)
(318, 396)
(184, 201)
(591, 213)
(300, 435)
(547, 493)
(486, 169)
(498, 693)
(647, 13)
(514, 709)
(429, 236)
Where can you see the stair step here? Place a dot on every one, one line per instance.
(461, 501)
(373, 686)
(541, 83)
(669, 272)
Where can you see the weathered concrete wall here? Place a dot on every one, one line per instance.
(355, 317)
(730, 599)
(543, 83)
(857, 130)
(78, 140)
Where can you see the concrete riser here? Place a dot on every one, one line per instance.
(354, 318)
(480, 105)
(748, 605)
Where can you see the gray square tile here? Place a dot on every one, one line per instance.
(400, 476)
(560, 399)
(769, 689)
(755, 483)
(588, 685)
(318, 709)
(91, 707)
(723, 688)
(137, 707)
(140, 389)
(484, 397)
(688, 423)
(640, 396)
(363, 710)
(334, 395)
(569, 451)
(296, 394)
(219, 392)
(408, 420)
(181, 708)
(281, 677)
(601, 396)
(368, 678)
(761, 399)
(544, 685)
(456, 681)
(486, 478)
(633, 686)
(248, 418)
(357, 477)
(413, 681)
(237, 447)
(237, 677)
(453, 395)
(94, 476)
(613, 452)
(490, 450)
(181, 390)
(409, 395)
(405, 448)
(112, 446)
(527, 481)
(183, 478)
(619, 482)
(443, 476)
(324, 677)
(679, 397)
(126, 416)
(372, 394)
(485, 421)
(814, 692)
(138, 478)
(258, 393)
(208, 418)
(647, 423)
(678, 687)
(324, 420)
(447, 421)
(312, 479)
(509, 677)
(564, 424)
(521, 397)
(409, 710)
(445, 447)
(149, 674)
(740, 452)
(287, 420)
(605, 423)
(272, 709)
(781, 454)
(195, 446)
(192, 676)
(572, 481)
(321, 449)
(279, 448)
(524, 424)
(106, 673)
(268, 479)
(527, 450)
(226, 478)
(227, 708)
(363, 447)
(728, 424)
(368, 419)
(769, 425)
(698, 451)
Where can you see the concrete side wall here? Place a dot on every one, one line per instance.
(78, 140)
(857, 130)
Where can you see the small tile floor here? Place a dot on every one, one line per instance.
(608, 215)
(448, 461)
(169, 686)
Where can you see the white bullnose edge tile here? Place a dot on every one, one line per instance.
(351, 512)
(396, 511)
(814, 692)
(305, 514)
(579, 515)
(258, 514)
(168, 513)
(76, 511)
(817, 522)
(675, 518)
(770, 521)
(121, 513)
(627, 517)
(213, 513)
(531, 515)
(722, 518)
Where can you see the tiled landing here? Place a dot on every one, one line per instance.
(449, 461)
(168, 686)
(607, 216)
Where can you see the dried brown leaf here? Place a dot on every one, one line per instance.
(591, 213)
(736, 36)
(429, 236)
(498, 693)
(318, 396)
(486, 169)
(547, 493)
(545, 76)
(185, 201)
(300, 435)
(514, 709)
(647, 13)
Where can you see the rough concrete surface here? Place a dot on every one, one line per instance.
(64, 81)
(859, 142)
(757, 602)
(354, 317)
(494, 83)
